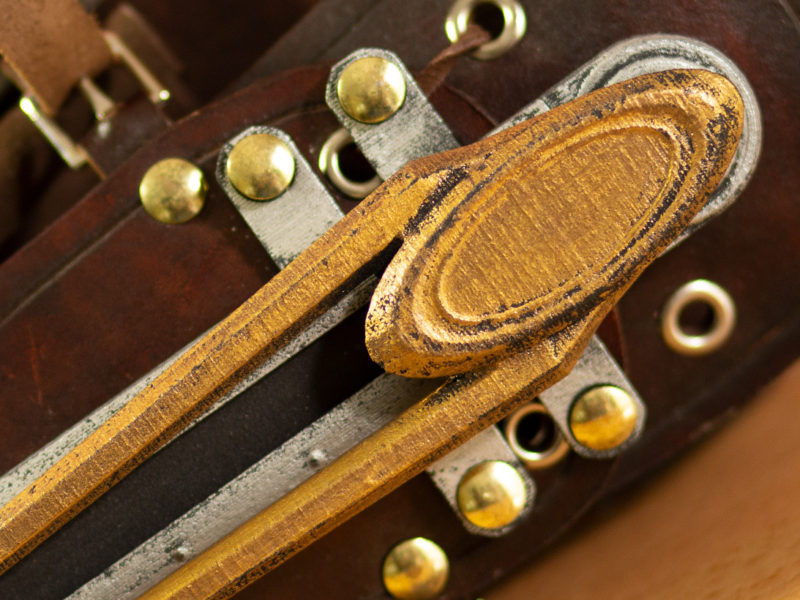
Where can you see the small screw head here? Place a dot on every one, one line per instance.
(603, 417)
(261, 166)
(492, 494)
(180, 554)
(371, 89)
(416, 569)
(173, 190)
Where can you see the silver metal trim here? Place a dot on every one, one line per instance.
(595, 367)
(650, 54)
(288, 224)
(448, 471)
(415, 130)
(26, 472)
(265, 482)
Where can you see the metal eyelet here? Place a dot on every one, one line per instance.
(724, 318)
(329, 164)
(555, 446)
(514, 25)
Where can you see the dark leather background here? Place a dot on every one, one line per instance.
(106, 293)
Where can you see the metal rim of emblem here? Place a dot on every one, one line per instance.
(492, 494)
(723, 322)
(260, 166)
(371, 89)
(173, 191)
(415, 569)
(554, 446)
(514, 25)
(329, 164)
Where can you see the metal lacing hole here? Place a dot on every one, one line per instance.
(535, 438)
(331, 165)
(709, 334)
(504, 19)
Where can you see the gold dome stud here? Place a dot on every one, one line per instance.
(492, 494)
(173, 190)
(416, 569)
(371, 89)
(603, 417)
(260, 166)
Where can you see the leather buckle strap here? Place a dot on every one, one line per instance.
(72, 152)
(49, 45)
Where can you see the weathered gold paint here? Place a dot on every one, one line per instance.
(409, 205)
(561, 221)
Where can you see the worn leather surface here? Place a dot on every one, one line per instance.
(50, 45)
(106, 293)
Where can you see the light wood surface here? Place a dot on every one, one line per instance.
(723, 523)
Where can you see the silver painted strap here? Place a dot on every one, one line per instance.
(414, 131)
(265, 482)
(448, 471)
(290, 223)
(650, 54)
(25, 473)
(285, 226)
(595, 367)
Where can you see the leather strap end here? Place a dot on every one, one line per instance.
(50, 45)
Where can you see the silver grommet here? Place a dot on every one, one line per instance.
(722, 324)
(554, 446)
(329, 164)
(514, 24)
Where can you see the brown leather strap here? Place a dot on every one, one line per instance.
(50, 45)
(434, 74)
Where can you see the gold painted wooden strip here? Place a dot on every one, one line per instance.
(550, 220)
(414, 201)
(450, 416)
(252, 333)
(428, 430)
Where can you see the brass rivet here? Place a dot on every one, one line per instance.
(603, 417)
(371, 89)
(260, 166)
(416, 569)
(173, 190)
(492, 494)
